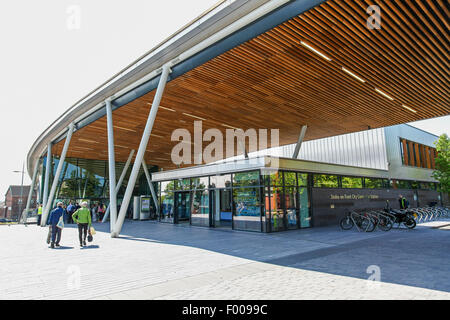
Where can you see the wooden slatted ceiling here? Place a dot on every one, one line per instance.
(273, 81)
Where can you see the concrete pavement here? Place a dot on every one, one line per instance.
(162, 261)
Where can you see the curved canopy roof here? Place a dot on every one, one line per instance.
(319, 66)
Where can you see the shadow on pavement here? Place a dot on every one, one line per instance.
(417, 258)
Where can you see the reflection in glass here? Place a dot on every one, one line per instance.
(290, 179)
(247, 209)
(276, 208)
(246, 179)
(167, 201)
(200, 183)
(351, 182)
(221, 181)
(290, 197)
(305, 212)
(372, 183)
(302, 179)
(200, 208)
(325, 181)
(276, 178)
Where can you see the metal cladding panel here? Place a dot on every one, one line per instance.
(396, 168)
(365, 149)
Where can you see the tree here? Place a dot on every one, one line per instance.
(442, 163)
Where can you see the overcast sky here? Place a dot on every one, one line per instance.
(46, 65)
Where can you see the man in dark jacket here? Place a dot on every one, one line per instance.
(403, 202)
(53, 220)
(70, 211)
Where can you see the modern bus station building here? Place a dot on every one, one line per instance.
(338, 91)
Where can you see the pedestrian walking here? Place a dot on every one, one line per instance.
(70, 211)
(82, 217)
(100, 211)
(55, 223)
(39, 214)
(93, 213)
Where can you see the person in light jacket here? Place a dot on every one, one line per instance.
(82, 217)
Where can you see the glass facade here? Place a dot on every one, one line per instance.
(87, 180)
(262, 200)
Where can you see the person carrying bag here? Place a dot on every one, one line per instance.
(56, 224)
(82, 217)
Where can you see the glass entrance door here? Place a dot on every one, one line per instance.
(182, 207)
(222, 216)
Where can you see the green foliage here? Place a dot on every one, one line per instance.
(442, 163)
(72, 186)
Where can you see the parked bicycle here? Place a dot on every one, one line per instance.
(360, 220)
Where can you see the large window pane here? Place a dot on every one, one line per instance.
(276, 178)
(246, 179)
(200, 208)
(277, 210)
(167, 201)
(305, 212)
(200, 183)
(290, 179)
(221, 181)
(325, 181)
(247, 209)
(351, 182)
(290, 199)
(302, 179)
(372, 183)
(183, 184)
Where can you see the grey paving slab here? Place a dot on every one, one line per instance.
(160, 261)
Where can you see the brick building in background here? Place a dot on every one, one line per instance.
(14, 202)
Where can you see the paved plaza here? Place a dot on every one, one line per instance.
(161, 261)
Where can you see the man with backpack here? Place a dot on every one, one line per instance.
(404, 204)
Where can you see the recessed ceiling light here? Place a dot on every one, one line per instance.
(410, 109)
(165, 108)
(126, 129)
(315, 50)
(191, 115)
(384, 94)
(353, 75)
(225, 125)
(87, 140)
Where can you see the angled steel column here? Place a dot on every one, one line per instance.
(33, 183)
(150, 184)
(58, 190)
(47, 174)
(85, 183)
(112, 166)
(57, 175)
(142, 147)
(122, 176)
(299, 142)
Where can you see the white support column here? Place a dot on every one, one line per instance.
(112, 166)
(122, 176)
(33, 183)
(141, 150)
(48, 169)
(58, 173)
(299, 142)
(150, 184)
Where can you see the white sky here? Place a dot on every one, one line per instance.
(45, 67)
